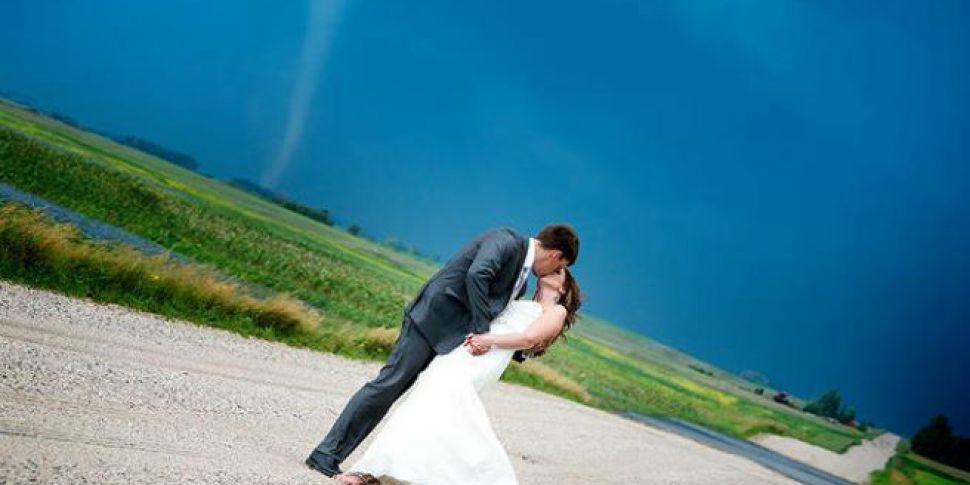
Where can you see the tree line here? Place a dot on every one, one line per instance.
(936, 440)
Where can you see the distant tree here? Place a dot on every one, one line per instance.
(320, 215)
(827, 405)
(253, 187)
(354, 229)
(700, 369)
(830, 405)
(937, 441)
(934, 439)
(176, 157)
(67, 120)
(846, 415)
(398, 245)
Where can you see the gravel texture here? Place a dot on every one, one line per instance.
(94, 393)
(855, 464)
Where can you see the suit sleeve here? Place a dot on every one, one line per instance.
(492, 254)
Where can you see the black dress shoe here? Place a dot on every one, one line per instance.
(322, 463)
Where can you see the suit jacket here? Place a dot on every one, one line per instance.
(472, 288)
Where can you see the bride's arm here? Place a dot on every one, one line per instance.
(541, 330)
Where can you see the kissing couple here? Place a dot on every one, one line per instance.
(457, 336)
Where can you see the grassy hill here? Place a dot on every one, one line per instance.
(352, 289)
(909, 468)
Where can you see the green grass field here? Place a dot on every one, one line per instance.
(357, 288)
(908, 468)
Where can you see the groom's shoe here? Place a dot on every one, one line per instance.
(322, 463)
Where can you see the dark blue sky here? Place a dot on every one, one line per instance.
(779, 185)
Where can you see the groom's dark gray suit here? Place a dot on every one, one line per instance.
(463, 297)
(470, 290)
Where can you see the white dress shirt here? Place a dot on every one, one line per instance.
(530, 256)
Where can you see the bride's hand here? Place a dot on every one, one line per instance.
(477, 343)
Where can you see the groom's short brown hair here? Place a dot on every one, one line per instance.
(562, 237)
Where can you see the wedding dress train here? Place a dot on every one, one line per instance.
(440, 432)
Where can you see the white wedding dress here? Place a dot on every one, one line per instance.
(440, 432)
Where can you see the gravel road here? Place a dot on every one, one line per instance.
(855, 464)
(94, 393)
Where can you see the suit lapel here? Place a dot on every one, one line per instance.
(519, 261)
(511, 275)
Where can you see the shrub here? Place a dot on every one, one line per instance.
(39, 251)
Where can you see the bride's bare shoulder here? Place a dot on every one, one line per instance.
(555, 310)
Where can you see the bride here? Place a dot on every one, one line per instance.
(440, 432)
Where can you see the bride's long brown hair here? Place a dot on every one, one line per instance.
(572, 299)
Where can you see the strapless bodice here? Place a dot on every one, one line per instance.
(516, 317)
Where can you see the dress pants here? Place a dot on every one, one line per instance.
(411, 354)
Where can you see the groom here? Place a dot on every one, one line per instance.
(463, 297)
